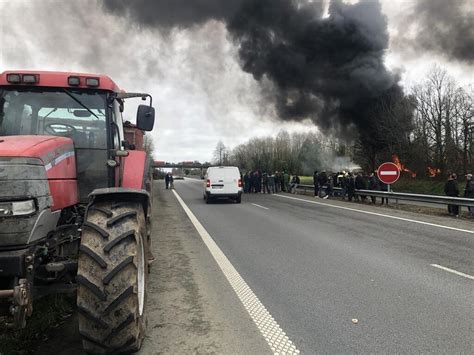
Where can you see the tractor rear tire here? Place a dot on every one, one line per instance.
(112, 278)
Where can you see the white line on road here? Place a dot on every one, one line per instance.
(271, 331)
(470, 277)
(265, 208)
(379, 214)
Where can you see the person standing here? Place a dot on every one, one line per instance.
(316, 184)
(282, 181)
(171, 182)
(350, 187)
(266, 189)
(277, 181)
(469, 192)
(373, 185)
(271, 183)
(343, 183)
(451, 189)
(360, 185)
(167, 180)
(246, 182)
(286, 181)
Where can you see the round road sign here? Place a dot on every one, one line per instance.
(388, 173)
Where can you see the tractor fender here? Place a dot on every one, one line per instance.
(122, 194)
(135, 167)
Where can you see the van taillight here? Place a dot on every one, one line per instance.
(208, 183)
(240, 183)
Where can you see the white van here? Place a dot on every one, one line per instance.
(223, 181)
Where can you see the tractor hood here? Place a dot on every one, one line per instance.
(45, 148)
(41, 169)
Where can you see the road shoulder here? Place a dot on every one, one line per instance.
(191, 306)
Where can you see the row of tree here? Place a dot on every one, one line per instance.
(431, 130)
(299, 153)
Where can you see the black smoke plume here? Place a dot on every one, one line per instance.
(329, 69)
(445, 27)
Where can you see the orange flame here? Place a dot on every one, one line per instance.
(432, 172)
(402, 167)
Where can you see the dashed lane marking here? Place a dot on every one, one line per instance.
(269, 328)
(459, 273)
(379, 214)
(265, 208)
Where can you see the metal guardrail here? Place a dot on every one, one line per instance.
(435, 199)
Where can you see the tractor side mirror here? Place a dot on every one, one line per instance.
(145, 117)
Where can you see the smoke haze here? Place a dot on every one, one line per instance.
(232, 69)
(329, 69)
(442, 27)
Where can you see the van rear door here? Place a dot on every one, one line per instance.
(224, 180)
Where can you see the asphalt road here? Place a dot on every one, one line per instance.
(316, 267)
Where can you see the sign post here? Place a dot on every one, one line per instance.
(388, 173)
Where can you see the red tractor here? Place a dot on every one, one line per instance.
(74, 204)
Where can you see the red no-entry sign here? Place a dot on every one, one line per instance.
(388, 173)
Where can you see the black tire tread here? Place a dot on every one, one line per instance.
(96, 228)
(105, 211)
(108, 247)
(117, 269)
(87, 313)
(118, 218)
(91, 340)
(130, 319)
(81, 280)
(118, 300)
(107, 296)
(93, 255)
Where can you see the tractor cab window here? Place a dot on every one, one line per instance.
(78, 114)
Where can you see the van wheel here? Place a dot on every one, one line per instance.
(208, 200)
(238, 199)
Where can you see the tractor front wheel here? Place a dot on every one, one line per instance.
(112, 278)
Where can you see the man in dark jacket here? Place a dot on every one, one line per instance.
(167, 180)
(350, 186)
(360, 185)
(246, 182)
(316, 184)
(373, 185)
(469, 192)
(451, 189)
(265, 186)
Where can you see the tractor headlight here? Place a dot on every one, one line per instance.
(17, 208)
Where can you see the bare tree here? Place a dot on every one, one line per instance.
(221, 156)
(444, 113)
(148, 145)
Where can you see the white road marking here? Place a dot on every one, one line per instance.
(379, 214)
(271, 331)
(265, 208)
(470, 277)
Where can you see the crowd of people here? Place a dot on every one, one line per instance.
(324, 183)
(269, 182)
(348, 182)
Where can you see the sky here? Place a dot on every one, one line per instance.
(200, 92)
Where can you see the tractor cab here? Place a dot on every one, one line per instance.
(85, 108)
